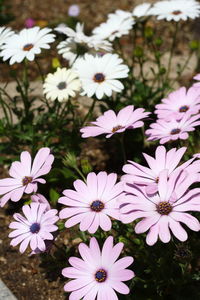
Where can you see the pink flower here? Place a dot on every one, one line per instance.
(74, 10)
(99, 273)
(149, 176)
(92, 202)
(178, 103)
(25, 176)
(173, 130)
(38, 198)
(165, 210)
(34, 228)
(110, 123)
(29, 23)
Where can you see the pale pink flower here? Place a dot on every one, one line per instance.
(110, 123)
(38, 198)
(25, 175)
(98, 274)
(178, 103)
(74, 10)
(166, 131)
(92, 202)
(149, 176)
(165, 210)
(34, 228)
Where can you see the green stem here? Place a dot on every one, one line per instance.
(40, 70)
(90, 111)
(121, 140)
(172, 51)
(80, 173)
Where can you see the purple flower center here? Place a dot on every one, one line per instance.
(117, 128)
(175, 131)
(35, 228)
(62, 85)
(164, 208)
(27, 47)
(176, 12)
(100, 275)
(99, 77)
(183, 108)
(97, 206)
(26, 180)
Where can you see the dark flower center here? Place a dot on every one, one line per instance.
(164, 208)
(183, 108)
(100, 275)
(177, 12)
(114, 32)
(99, 77)
(27, 47)
(175, 131)
(62, 85)
(157, 179)
(117, 128)
(26, 180)
(35, 228)
(97, 206)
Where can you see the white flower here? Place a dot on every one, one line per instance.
(99, 75)
(68, 50)
(176, 10)
(77, 35)
(26, 44)
(141, 10)
(5, 33)
(78, 43)
(118, 24)
(122, 14)
(62, 84)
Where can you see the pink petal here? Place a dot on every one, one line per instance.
(77, 284)
(152, 235)
(146, 223)
(178, 230)
(79, 293)
(26, 162)
(105, 222)
(164, 232)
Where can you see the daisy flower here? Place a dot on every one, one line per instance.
(34, 228)
(173, 130)
(78, 43)
(162, 213)
(61, 85)
(110, 123)
(25, 176)
(176, 10)
(5, 33)
(178, 103)
(99, 75)
(149, 176)
(141, 10)
(26, 44)
(117, 25)
(38, 198)
(92, 202)
(99, 273)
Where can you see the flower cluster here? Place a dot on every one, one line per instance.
(157, 199)
(177, 115)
